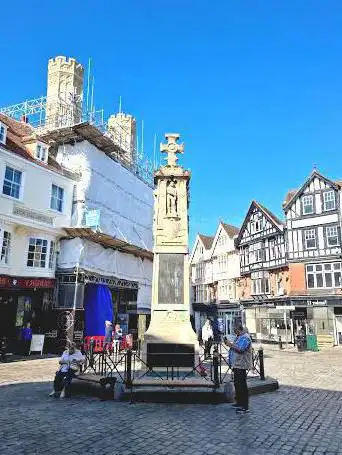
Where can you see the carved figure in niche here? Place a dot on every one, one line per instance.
(171, 198)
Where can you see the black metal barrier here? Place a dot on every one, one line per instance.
(128, 366)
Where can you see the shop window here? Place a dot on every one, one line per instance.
(37, 253)
(324, 275)
(6, 247)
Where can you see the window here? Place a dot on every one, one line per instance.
(324, 275)
(222, 240)
(12, 182)
(200, 271)
(41, 152)
(331, 233)
(329, 200)
(201, 293)
(256, 253)
(6, 246)
(3, 133)
(37, 253)
(307, 202)
(272, 248)
(256, 226)
(57, 196)
(52, 255)
(260, 283)
(310, 239)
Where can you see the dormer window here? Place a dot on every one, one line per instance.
(42, 152)
(307, 202)
(3, 133)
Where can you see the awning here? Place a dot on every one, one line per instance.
(108, 241)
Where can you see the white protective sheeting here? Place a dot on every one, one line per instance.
(110, 263)
(125, 202)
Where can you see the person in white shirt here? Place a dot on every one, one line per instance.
(70, 363)
(207, 338)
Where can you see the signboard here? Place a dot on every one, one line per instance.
(285, 307)
(26, 283)
(92, 218)
(37, 344)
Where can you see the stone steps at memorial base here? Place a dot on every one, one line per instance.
(193, 395)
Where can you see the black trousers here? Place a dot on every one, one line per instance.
(63, 381)
(241, 389)
(207, 347)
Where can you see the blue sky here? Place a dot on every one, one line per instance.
(254, 87)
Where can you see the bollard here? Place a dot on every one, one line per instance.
(129, 368)
(216, 367)
(261, 364)
(280, 343)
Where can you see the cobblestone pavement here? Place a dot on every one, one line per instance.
(303, 417)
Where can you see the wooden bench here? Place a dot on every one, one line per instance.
(107, 384)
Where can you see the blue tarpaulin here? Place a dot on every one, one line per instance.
(98, 308)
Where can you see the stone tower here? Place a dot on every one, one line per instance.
(64, 92)
(170, 339)
(122, 129)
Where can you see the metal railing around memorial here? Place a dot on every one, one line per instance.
(128, 365)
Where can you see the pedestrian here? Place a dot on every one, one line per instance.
(207, 338)
(3, 349)
(70, 363)
(108, 336)
(241, 360)
(26, 337)
(117, 338)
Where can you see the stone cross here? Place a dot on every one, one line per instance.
(172, 148)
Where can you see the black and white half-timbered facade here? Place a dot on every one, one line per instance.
(313, 221)
(263, 268)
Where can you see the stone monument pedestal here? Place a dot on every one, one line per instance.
(170, 340)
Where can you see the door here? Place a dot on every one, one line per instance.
(339, 329)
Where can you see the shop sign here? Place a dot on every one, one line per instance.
(316, 302)
(285, 307)
(26, 283)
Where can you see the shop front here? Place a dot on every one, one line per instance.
(97, 299)
(24, 300)
(225, 315)
(295, 317)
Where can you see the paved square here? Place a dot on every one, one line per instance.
(303, 417)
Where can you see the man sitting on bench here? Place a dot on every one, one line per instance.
(70, 363)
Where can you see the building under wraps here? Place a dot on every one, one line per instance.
(103, 265)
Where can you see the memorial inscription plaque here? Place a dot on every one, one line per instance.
(171, 279)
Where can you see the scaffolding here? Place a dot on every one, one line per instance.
(69, 114)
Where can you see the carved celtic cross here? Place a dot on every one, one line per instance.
(172, 148)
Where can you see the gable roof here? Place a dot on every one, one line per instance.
(17, 135)
(206, 240)
(267, 213)
(230, 229)
(293, 194)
